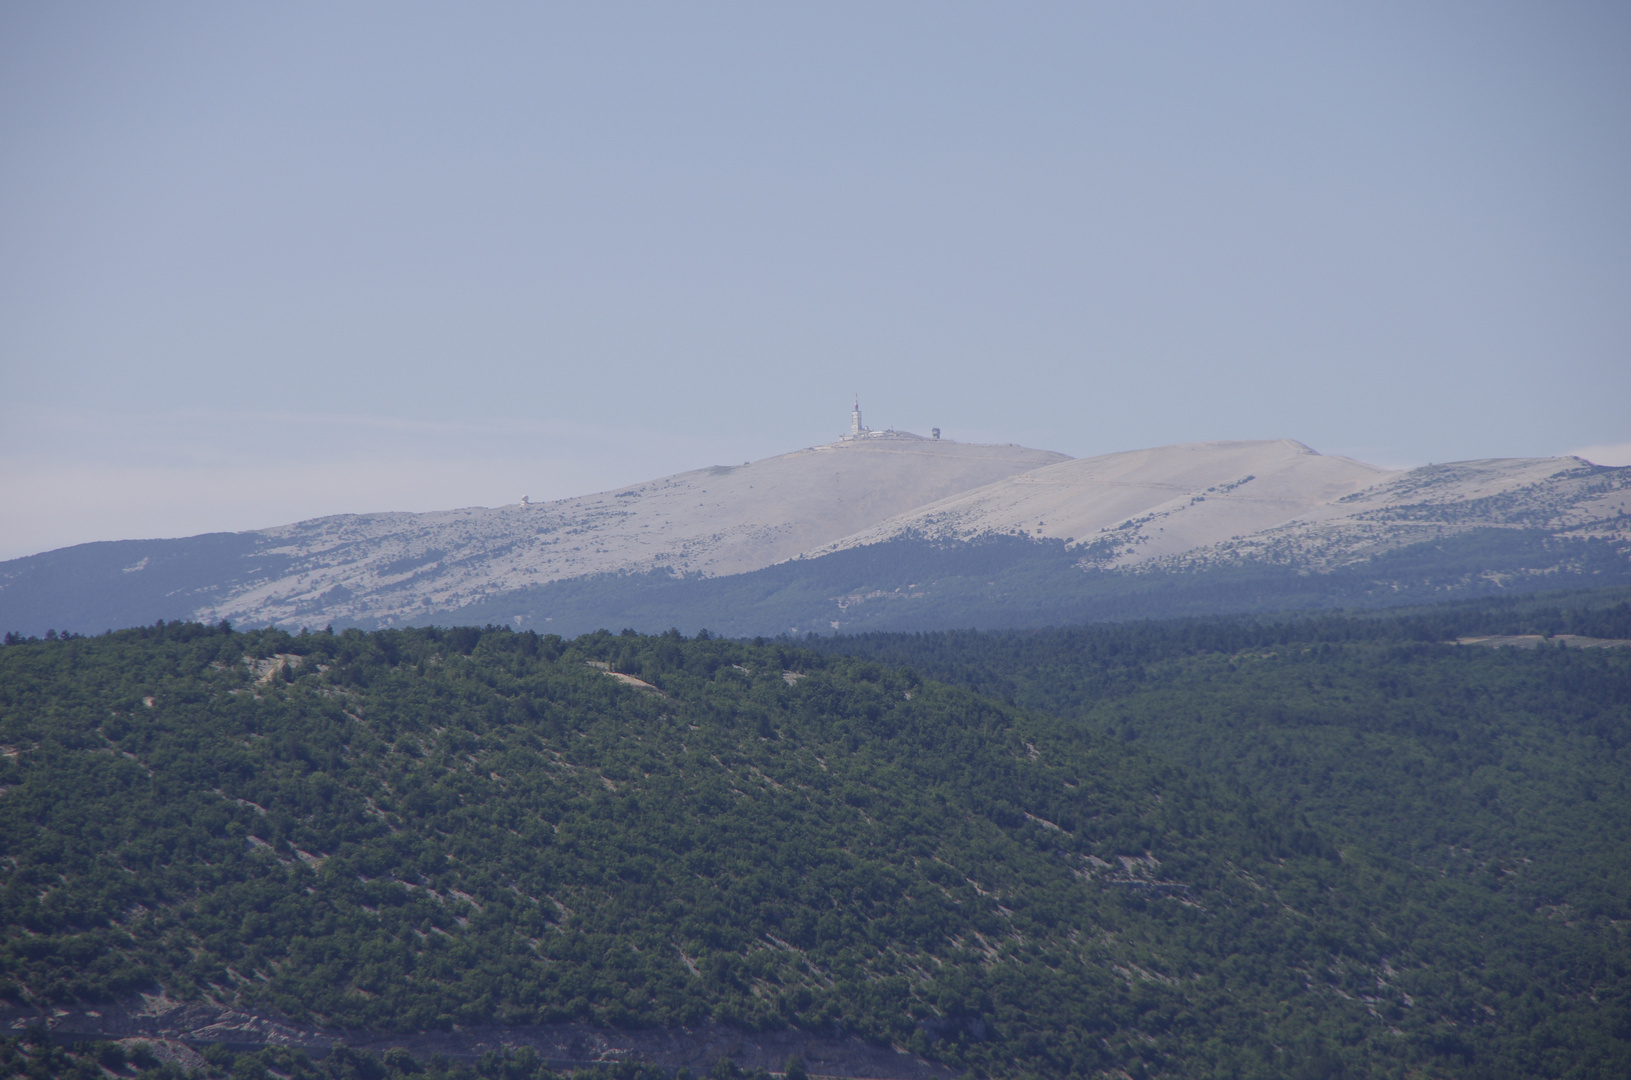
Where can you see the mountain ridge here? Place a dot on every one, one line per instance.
(1263, 483)
(1198, 508)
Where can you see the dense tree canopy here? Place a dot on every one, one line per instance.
(411, 829)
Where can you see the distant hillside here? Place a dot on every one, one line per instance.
(393, 568)
(994, 583)
(1143, 504)
(887, 531)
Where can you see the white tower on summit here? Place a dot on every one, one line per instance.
(856, 428)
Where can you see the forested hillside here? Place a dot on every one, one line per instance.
(411, 830)
(1501, 769)
(1490, 761)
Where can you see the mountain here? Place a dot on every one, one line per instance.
(1156, 502)
(1274, 501)
(377, 568)
(885, 530)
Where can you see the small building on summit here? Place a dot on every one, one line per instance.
(859, 430)
(856, 428)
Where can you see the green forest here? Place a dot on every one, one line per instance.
(1504, 765)
(1304, 847)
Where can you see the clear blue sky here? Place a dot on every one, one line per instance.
(262, 262)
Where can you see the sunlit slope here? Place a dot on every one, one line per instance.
(901, 513)
(1173, 498)
(1270, 502)
(720, 520)
(1565, 498)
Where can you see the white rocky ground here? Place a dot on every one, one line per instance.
(721, 520)
(1148, 503)
(1564, 496)
(1198, 503)
(1278, 501)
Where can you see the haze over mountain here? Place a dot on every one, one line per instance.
(1192, 507)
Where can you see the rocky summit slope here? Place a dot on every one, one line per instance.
(1274, 501)
(1146, 503)
(398, 566)
(1198, 506)
(1565, 498)
(720, 520)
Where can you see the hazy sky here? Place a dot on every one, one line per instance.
(264, 262)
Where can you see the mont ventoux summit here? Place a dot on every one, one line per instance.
(884, 530)
(398, 797)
